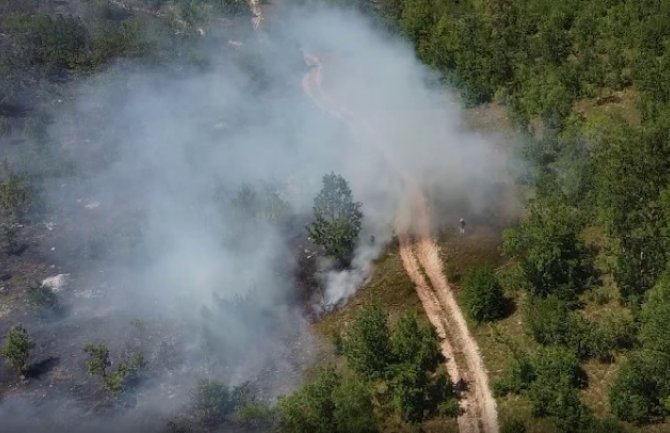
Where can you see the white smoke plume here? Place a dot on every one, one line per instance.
(164, 153)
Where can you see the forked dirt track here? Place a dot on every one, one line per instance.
(421, 260)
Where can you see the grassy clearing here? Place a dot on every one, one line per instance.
(624, 104)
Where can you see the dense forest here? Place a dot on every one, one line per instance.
(587, 84)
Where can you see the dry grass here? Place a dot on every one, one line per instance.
(622, 104)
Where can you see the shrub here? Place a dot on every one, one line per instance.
(254, 415)
(416, 392)
(521, 375)
(655, 317)
(640, 387)
(513, 426)
(59, 42)
(212, 402)
(17, 348)
(483, 296)
(9, 243)
(559, 365)
(549, 248)
(99, 362)
(367, 345)
(415, 343)
(43, 298)
(15, 197)
(549, 321)
(330, 404)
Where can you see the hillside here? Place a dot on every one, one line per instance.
(341, 216)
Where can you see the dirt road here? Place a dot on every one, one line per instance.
(420, 257)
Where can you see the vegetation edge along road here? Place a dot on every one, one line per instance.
(479, 406)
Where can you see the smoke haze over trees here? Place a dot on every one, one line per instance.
(165, 157)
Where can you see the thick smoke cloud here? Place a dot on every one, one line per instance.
(152, 224)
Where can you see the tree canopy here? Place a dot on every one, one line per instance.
(337, 219)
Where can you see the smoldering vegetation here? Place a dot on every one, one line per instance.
(180, 203)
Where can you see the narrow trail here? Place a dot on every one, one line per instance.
(421, 260)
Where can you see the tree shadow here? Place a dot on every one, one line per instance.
(509, 307)
(42, 367)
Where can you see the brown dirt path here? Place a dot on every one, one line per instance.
(420, 257)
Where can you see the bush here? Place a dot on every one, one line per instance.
(254, 415)
(330, 404)
(521, 375)
(215, 403)
(9, 243)
(60, 42)
(17, 348)
(483, 296)
(15, 197)
(559, 365)
(99, 362)
(655, 317)
(212, 402)
(513, 426)
(416, 392)
(415, 343)
(408, 389)
(118, 40)
(367, 345)
(548, 246)
(550, 321)
(43, 298)
(640, 387)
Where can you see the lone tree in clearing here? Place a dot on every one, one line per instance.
(17, 348)
(337, 219)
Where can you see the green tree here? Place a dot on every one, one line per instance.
(551, 322)
(15, 197)
(419, 394)
(641, 387)
(417, 390)
(337, 219)
(554, 392)
(99, 364)
(60, 42)
(17, 347)
(483, 295)
(521, 375)
(330, 404)
(548, 245)
(632, 171)
(655, 318)
(367, 345)
(513, 425)
(9, 243)
(212, 402)
(354, 411)
(98, 359)
(415, 343)
(408, 387)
